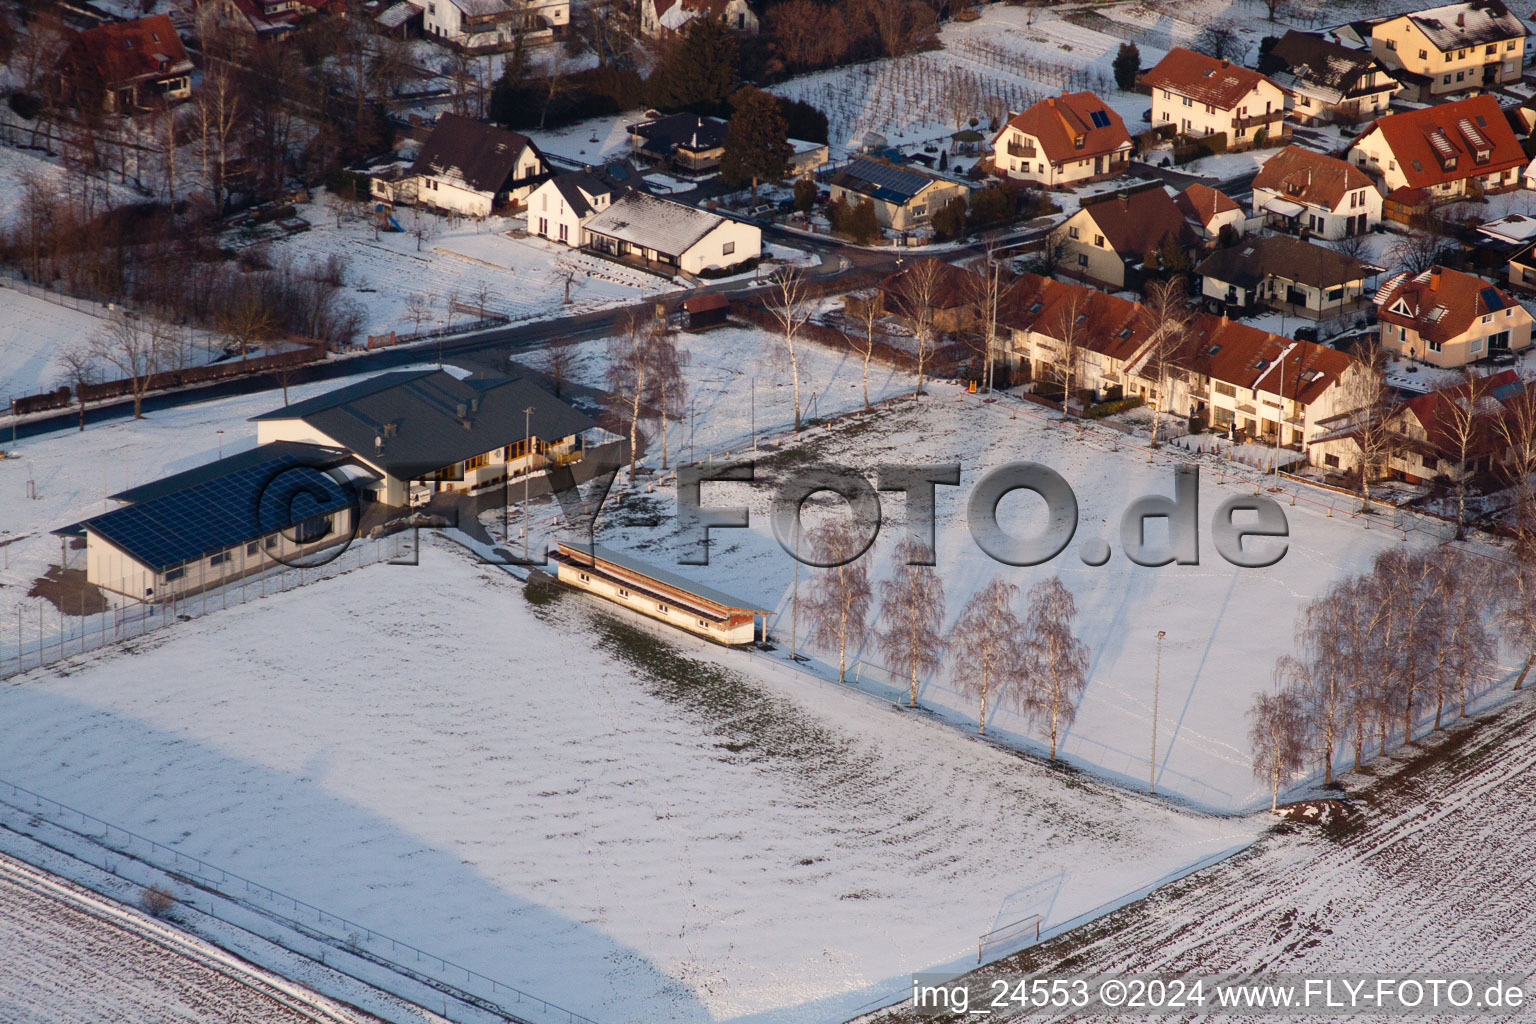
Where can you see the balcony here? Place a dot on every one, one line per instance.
(1259, 120)
(1026, 152)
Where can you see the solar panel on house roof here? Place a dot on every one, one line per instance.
(1492, 299)
(902, 183)
(1099, 118)
(1504, 392)
(222, 512)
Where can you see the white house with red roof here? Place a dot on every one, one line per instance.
(1065, 139)
(1454, 149)
(1201, 95)
(658, 17)
(1302, 191)
(1447, 318)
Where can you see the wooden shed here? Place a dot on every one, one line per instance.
(705, 311)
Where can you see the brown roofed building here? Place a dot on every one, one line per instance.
(470, 167)
(1305, 192)
(1201, 96)
(1327, 82)
(1209, 211)
(1109, 238)
(1230, 374)
(1448, 318)
(1065, 139)
(1454, 149)
(127, 65)
(1287, 274)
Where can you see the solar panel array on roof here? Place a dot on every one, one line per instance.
(222, 512)
(897, 183)
(1504, 392)
(1099, 118)
(1492, 299)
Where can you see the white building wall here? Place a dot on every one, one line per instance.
(729, 243)
(649, 606)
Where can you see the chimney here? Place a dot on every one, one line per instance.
(1223, 65)
(1434, 279)
(1461, 19)
(1051, 102)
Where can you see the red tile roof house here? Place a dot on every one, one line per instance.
(1429, 430)
(1303, 192)
(1209, 211)
(1063, 140)
(1452, 150)
(1201, 95)
(1448, 318)
(1225, 372)
(127, 65)
(1110, 236)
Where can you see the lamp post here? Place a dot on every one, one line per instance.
(527, 471)
(1157, 673)
(221, 443)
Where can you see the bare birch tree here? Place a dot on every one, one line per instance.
(79, 369)
(1071, 338)
(1466, 409)
(868, 314)
(132, 346)
(1370, 400)
(920, 287)
(1319, 676)
(1277, 734)
(839, 598)
(912, 613)
(1465, 647)
(991, 286)
(629, 376)
(986, 645)
(789, 303)
(1167, 318)
(1055, 661)
(668, 383)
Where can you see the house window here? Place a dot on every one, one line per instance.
(1225, 389)
(1082, 259)
(270, 542)
(1334, 294)
(1460, 75)
(1445, 80)
(1098, 240)
(174, 574)
(584, 577)
(1423, 55)
(251, 548)
(1447, 58)
(218, 559)
(477, 461)
(1434, 346)
(1187, 102)
(1331, 461)
(703, 624)
(1476, 347)
(623, 592)
(1072, 233)
(1509, 45)
(661, 607)
(565, 232)
(1491, 50)
(727, 248)
(1391, 44)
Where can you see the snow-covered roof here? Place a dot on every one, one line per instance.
(654, 223)
(1514, 228)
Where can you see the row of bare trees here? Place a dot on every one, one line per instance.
(1373, 653)
(1035, 665)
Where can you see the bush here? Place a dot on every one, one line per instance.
(1098, 412)
(157, 901)
(992, 205)
(805, 195)
(352, 185)
(949, 219)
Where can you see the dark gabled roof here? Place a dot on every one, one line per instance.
(575, 186)
(1310, 177)
(1307, 58)
(692, 132)
(312, 455)
(1135, 222)
(483, 156)
(226, 505)
(1251, 261)
(416, 416)
(881, 181)
(124, 51)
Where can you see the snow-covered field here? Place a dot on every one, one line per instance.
(1225, 625)
(33, 331)
(455, 262)
(1432, 878)
(565, 802)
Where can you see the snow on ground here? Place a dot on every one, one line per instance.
(457, 259)
(570, 803)
(1225, 625)
(71, 956)
(18, 165)
(33, 331)
(1431, 877)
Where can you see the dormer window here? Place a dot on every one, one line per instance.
(1077, 141)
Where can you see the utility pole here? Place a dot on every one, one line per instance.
(527, 471)
(221, 444)
(1157, 674)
